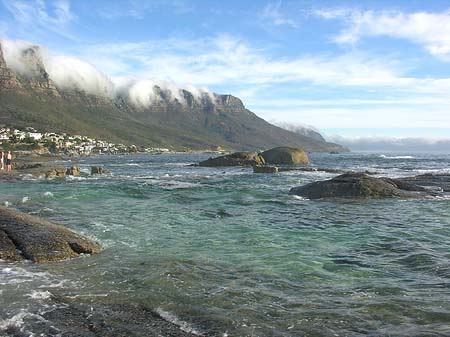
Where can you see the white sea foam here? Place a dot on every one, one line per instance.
(18, 320)
(40, 295)
(396, 157)
(186, 327)
(297, 197)
(48, 194)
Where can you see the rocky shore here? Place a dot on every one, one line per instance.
(100, 319)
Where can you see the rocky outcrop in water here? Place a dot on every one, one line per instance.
(265, 169)
(26, 237)
(436, 182)
(360, 185)
(235, 159)
(98, 170)
(284, 155)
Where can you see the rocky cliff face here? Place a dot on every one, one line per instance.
(38, 78)
(8, 80)
(183, 121)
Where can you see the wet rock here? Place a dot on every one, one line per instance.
(431, 181)
(107, 320)
(265, 169)
(235, 159)
(73, 171)
(99, 170)
(285, 156)
(56, 171)
(359, 185)
(38, 240)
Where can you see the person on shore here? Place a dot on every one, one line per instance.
(8, 161)
(2, 163)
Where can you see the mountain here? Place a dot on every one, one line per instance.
(178, 119)
(300, 129)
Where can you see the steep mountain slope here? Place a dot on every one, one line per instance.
(183, 122)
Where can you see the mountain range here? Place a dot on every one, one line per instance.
(179, 120)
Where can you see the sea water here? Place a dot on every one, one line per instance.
(225, 251)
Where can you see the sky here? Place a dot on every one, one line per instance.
(371, 70)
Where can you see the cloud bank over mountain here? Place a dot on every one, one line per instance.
(67, 72)
(393, 144)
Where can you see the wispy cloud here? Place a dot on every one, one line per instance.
(272, 15)
(224, 59)
(139, 9)
(37, 14)
(429, 30)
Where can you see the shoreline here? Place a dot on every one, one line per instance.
(100, 318)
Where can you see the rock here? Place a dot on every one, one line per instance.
(56, 171)
(265, 169)
(285, 156)
(73, 171)
(98, 170)
(8, 251)
(235, 159)
(359, 185)
(38, 240)
(430, 181)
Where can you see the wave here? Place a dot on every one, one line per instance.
(396, 157)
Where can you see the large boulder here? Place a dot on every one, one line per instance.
(26, 237)
(359, 185)
(235, 159)
(285, 156)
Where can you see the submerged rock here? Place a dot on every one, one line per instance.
(265, 169)
(284, 155)
(23, 236)
(235, 159)
(359, 185)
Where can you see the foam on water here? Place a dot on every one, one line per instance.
(40, 295)
(396, 157)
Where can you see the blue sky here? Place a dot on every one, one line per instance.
(350, 68)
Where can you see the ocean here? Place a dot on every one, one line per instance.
(224, 251)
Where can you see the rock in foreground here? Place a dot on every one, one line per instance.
(359, 185)
(235, 159)
(285, 156)
(23, 236)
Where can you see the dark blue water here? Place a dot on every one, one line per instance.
(228, 251)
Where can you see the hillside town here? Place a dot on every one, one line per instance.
(75, 145)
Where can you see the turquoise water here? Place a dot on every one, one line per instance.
(228, 251)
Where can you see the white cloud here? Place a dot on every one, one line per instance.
(36, 14)
(379, 143)
(226, 60)
(356, 117)
(272, 15)
(430, 30)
